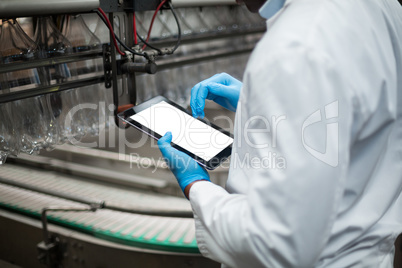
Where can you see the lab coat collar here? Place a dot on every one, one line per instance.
(271, 7)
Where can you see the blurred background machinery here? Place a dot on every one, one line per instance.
(77, 189)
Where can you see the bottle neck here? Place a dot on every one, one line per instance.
(80, 36)
(15, 45)
(7, 48)
(50, 39)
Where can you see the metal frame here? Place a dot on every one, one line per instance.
(12, 96)
(47, 89)
(24, 8)
(81, 56)
(83, 250)
(50, 250)
(113, 65)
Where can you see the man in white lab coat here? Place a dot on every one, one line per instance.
(322, 95)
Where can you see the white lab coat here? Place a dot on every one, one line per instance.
(334, 70)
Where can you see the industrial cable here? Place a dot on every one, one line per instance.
(178, 27)
(131, 50)
(149, 45)
(152, 22)
(111, 30)
(136, 35)
(120, 42)
(116, 39)
(178, 34)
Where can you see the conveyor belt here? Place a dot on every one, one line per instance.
(155, 232)
(114, 196)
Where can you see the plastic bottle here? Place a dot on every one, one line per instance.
(82, 39)
(53, 44)
(27, 125)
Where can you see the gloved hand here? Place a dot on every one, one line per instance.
(221, 88)
(184, 168)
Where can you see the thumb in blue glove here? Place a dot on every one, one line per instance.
(221, 88)
(184, 168)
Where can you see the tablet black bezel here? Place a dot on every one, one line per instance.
(213, 163)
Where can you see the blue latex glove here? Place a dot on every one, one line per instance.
(221, 88)
(184, 168)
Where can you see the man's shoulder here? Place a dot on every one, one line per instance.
(345, 32)
(325, 23)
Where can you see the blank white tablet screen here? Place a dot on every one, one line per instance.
(187, 132)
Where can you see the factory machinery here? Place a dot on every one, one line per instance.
(96, 193)
(106, 199)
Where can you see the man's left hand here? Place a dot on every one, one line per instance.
(184, 168)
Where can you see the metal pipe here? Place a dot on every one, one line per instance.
(36, 63)
(197, 3)
(41, 90)
(131, 67)
(114, 75)
(28, 8)
(131, 80)
(207, 37)
(205, 56)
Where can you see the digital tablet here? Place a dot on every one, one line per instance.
(208, 144)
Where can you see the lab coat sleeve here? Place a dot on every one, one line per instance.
(284, 217)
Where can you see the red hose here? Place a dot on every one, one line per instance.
(152, 22)
(135, 30)
(111, 30)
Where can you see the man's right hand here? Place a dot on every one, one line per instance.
(221, 88)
